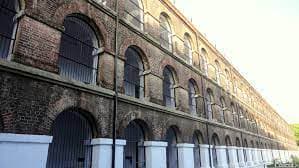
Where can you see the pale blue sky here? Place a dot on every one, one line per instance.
(261, 39)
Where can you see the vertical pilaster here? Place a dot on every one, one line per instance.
(240, 154)
(102, 153)
(204, 156)
(185, 155)
(155, 153)
(24, 151)
(232, 154)
(221, 157)
(249, 161)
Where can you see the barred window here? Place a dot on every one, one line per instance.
(168, 88)
(192, 97)
(135, 13)
(133, 79)
(188, 49)
(78, 56)
(165, 32)
(134, 150)
(8, 11)
(210, 101)
(172, 151)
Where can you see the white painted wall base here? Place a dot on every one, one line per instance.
(185, 155)
(232, 153)
(249, 162)
(155, 153)
(221, 157)
(102, 153)
(240, 153)
(204, 156)
(25, 151)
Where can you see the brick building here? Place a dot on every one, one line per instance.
(67, 66)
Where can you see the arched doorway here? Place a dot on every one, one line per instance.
(70, 148)
(172, 150)
(134, 150)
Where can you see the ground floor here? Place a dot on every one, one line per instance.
(37, 151)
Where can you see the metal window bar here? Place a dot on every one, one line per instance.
(137, 18)
(79, 66)
(133, 83)
(165, 38)
(8, 24)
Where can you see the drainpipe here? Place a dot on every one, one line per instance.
(115, 104)
(207, 126)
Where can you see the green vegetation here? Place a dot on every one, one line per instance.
(296, 130)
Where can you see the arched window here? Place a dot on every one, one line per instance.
(215, 142)
(172, 151)
(78, 56)
(188, 48)
(71, 131)
(197, 140)
(223, 109)
(218, 71)
(135, 13)
(204, 61)
(192, 97)
(228, 80)
(165, 32)
(8, 11)
(210, 103)
(133, 79)
(168, 87)
(134, 149)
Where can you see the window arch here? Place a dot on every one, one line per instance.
(8, 12)
(133, 79)
(135, 13)
(78, 56)
(192, 96)
(223, 109)
(134, 149)
(215, 142)
(197, 140)
(188, 48)
(204, 61)
(165, 32)
(168, 87)
(70, 130)
(210, 103)
(172, 151)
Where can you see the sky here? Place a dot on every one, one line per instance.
(261, 39)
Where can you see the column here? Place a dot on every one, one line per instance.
(26, 151)
(185, 155)
(221, 157)
(204, 156)
(249, 161)
(102, 153)
(241, 157)
(155, 153)
(232, 153)
(254, 156)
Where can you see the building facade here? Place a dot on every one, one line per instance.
(70, 68)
